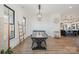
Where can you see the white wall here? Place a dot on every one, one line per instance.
(48, 23)
(19, 13)
(1, 25)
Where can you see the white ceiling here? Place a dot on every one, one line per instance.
(51, 9)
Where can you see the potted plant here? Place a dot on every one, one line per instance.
(8, 51)
(2, 51)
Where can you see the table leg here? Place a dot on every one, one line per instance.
(45, 43)
(32, 43)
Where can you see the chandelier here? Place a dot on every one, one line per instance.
(39, 15)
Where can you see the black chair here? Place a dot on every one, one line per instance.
(63, 33)
(78, 32)
(75, 33)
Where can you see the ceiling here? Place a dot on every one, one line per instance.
(51, 9)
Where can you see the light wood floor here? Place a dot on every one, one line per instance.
(64, 45)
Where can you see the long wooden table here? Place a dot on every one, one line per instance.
(39, 40)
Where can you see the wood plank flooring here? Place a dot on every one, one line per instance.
(63, 45)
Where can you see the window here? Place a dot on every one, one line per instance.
(10, 13)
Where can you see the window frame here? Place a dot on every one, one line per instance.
(9, 20)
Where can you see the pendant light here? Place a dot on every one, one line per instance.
(39, 15)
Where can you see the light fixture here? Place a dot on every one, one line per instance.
(39, 14)
(70, 7)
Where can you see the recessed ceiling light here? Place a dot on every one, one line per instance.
(70, 6)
